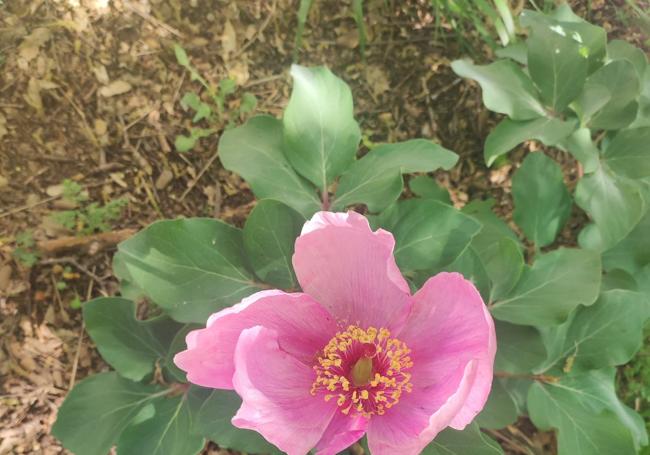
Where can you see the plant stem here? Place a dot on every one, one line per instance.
(533, 377)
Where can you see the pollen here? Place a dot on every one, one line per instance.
(364, 370)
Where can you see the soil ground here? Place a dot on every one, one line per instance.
(90, 91)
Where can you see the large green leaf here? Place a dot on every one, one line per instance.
(190, 267)
(168, 431)
(213, 409)
(593, 39)
(583, 149)
(494, 228)
(643, 113)
(130, 346)
(504, 264)
(589, 418)
(633, 252)
(618, 279)
(509, 133)
(376, 179)
(320, 132)
(254, 151)
(628, 154)
(557, 64)
(521, 348)
(608, 98)
(506, 88)
(542, 201)
(468, 441)
(178, 344)
(269, 235)
(554, 286)
(500, 409)
(607, 333)
(429, 234)
(427, 188)
(98, 409)
(469, 265)
(622, 50)
(497, 249)
(614, 204)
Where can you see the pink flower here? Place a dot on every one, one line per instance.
(355, 353)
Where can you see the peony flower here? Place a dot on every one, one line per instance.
(354, 353)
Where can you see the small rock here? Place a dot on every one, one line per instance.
(165, 177)
(100, 127)
(115, 88)
(54, 190)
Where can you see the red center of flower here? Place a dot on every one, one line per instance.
(366, 371)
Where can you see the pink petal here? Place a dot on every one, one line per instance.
(351, 271)
(342, 432)
(414, 422)
(275, 391)
(304, 327)
(453, 343)
(449, 326)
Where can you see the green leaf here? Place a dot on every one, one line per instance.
(269, 236)
(376, 179)
(130, 346)
(168, 431)
(614, 204)
(255, 151)
(618, 279)
(469, 265)
(320, 132)
(583, 149)
(514, 51)
(171, 372)
(554, 286)
(494, 228)
(192, 100)
(189, 267)
(227, 87)
(427, 188)
(607, 333)
(98, 409)
(589, 418)
(497, 248)
(542, 201)
(184, 143)
(429, 234)
(521, 348)
(213, 410)
(633, 252)
(504, 264)
(248, 103)
(643, 114)
(468, 441)
(593, 39)
(500, 409)
(506, 88)
(608, 98)
(181, 55)
(508, 134)
(556, 64)
(622, 50)
(628, 154)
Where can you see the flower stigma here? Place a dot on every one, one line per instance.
(365, 371)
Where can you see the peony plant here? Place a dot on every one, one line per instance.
(343, 313)
(353, 353)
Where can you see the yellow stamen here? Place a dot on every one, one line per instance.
(366, 371)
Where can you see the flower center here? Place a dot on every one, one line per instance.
(366, 371)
